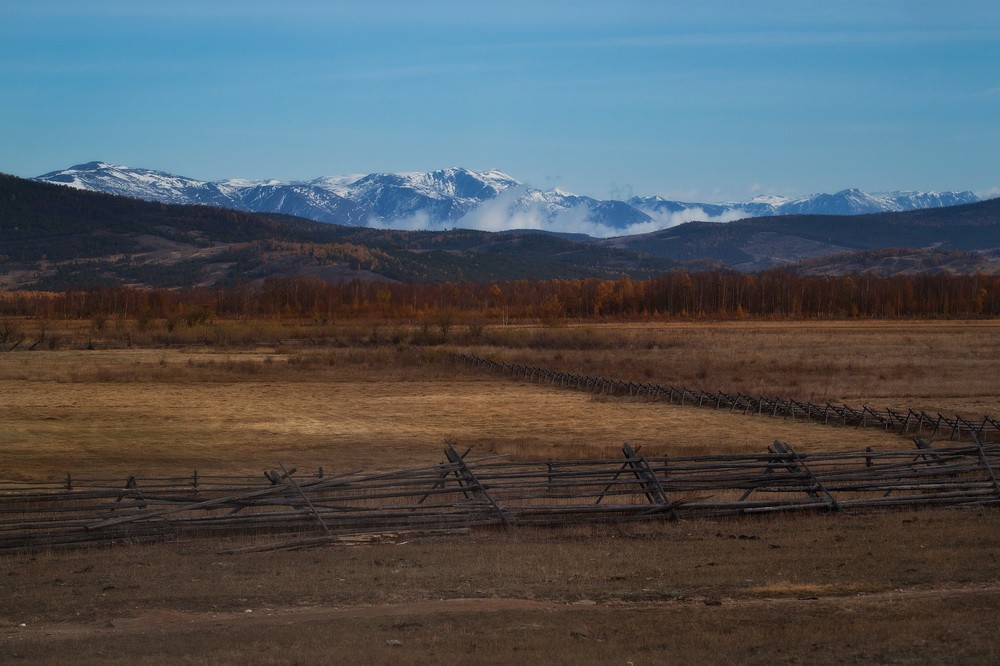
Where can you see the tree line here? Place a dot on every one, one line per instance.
(679, 293)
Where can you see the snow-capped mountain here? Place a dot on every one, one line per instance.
(845, 202)
(489, 200)
(300, 199)
(270, 196)
(444, 195)
(856, 202)
(447, 198)
(139, 184)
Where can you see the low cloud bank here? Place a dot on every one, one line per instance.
(667, 219)
(521, 208)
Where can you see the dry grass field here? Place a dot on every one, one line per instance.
(930, 365)
(899, 587)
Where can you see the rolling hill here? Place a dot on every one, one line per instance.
(54, 237)
(767, 242)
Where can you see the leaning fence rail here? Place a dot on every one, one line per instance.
(902, 422)
(464, 492)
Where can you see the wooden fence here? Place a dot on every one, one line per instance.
(461, 493)
(903, 422)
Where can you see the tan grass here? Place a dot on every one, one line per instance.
(904, 586)
(174, 423)
(125, 411)
(931, 365)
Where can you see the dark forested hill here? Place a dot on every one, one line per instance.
(766, 242)
(54, 237)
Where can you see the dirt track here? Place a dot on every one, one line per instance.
(164, 622)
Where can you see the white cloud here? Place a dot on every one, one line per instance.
(522, 208)
(666, 219)
(511, 209)
(416, 222)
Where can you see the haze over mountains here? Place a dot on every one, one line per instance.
(461, 198)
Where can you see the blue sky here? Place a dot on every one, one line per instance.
(703, 101)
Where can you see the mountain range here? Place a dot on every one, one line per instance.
(836, 244)
(54, 238)
(57, 238)
(461, 198)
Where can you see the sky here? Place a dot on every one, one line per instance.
(699, 101)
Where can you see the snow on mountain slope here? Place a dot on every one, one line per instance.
(488, 200)
(444, 195)
(439, 196)
(918, 200)
(139, 184)
(845, 202)
(261, 196)
(658, 204)
(856, 202)
(302, 200)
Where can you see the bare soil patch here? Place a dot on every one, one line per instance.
(898, 587)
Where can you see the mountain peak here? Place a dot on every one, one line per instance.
(458, 196)
(93, 166)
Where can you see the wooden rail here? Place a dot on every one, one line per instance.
(461, 493)
(903, 422)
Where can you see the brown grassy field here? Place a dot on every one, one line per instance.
(173, 411)
(931, 365)
(893, 587)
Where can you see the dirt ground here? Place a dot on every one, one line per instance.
(902, 587)
(894, 587)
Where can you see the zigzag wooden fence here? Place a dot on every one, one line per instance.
(903, 422)
(461, 493)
